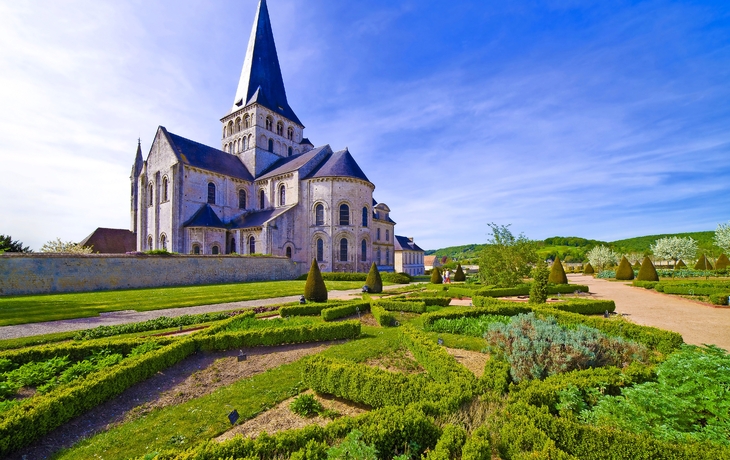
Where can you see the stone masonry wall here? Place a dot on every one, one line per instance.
(56, 273)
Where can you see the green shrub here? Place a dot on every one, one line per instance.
(449, 444)
(341, 311)
(391, 305)
(703, 263)
(307, 309)
(162, 322)
(438, 362)
(459, 274)
(382, 316)
(338, 276)
(524, 289)
(306, 405)
(588, 269)
(315, 289)
(585, 306)
(722, 262)
(647, 272)
(476, 446)
(557, 273)
(680, 265)
(719, 299)
(374, 282)
(539, 287)
(645, 284)
(396, 278)
(471, 326)
(436, 276)
(624, 272)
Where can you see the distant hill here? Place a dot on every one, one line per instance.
(573, 248)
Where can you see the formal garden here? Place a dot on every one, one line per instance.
(397, 374)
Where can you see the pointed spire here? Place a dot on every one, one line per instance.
(261, 79)
(138, 161)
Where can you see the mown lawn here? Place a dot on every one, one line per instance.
(51, 307)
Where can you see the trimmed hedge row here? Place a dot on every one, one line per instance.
(342, 311)
(645, 284)
(720, 299)
(436, 360)
(277, 336)
(24, 424)
(524, 289)
(396, 278)
(504, 308)
(585, 306)
(163, 322)
(308, 309)
(382, 316)
(391, 305)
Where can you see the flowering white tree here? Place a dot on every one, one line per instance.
(600, 256)
(68, 247)
(722, 236)
(675, 248)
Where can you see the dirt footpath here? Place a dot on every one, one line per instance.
(698, 323)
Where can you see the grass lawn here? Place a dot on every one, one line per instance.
(52, 307)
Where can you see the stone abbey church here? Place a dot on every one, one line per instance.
(268, 190)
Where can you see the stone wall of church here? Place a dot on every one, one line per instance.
(22, 274)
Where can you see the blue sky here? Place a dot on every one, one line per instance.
(597, 119)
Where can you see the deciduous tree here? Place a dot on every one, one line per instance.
(675, 248)
(68, 247)
(506, 259)
(600, 256)
(722, 236)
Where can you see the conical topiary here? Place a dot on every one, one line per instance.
(637, 266)
(588, 269)
(459, 274)
(315, 289)
(703, 263)
(647, 272)
(624, 271)
(557, 273)
(722, 262)
(680, 265)
(373, 281)
(436, 276)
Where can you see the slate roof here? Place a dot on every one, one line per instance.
(201, 156)
(291, 164)
(259, 218)
(403, 243)
(261, 79)
(339, 164)
(111, 241)
(138, 161)
(205, 217)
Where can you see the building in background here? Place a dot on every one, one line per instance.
(408, 256)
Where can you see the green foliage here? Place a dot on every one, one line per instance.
(353, 448)
(703, 263)
(690, 401)
(471, 326)
(449, 444)
(341, 311)
(557, 273)
(392, 305)
(524, 289)
(643, 244)
(588, 269)
(647, 272)
(720, 299)
(680, 265)
(507, 259)
(8, 245)
(459, 275)
(307, 309)
(477, 446)
(436, 276)
(382, 316)
(645, 284)
(396, 278)
(306, 405)
(374, 282)
(315, 289)
(538, 348)
(624, 271)
(162, 322)
(539, 287)
(722, 262)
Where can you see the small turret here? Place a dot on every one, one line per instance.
(134, 182)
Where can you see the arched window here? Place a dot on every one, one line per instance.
(290, 133)
(238, 124)
(233, 245)
(163, 242)
(344, 214)
(230, 128)
(320, 250)
(269, 124)
(196, 249)
(262, 199)
(343, 250)
(288, 252)
(149, 242)
(280, 129)
(150, 193)
(282, 195)
(363, 251)
(365, 213)
(242, 199)
(271, 145)
(246, 121)
(244, 145)
(289, 151)
(319, 215)
(215, 250)
(251, 245)
(164, 189)
(211, 193)
(387, 235)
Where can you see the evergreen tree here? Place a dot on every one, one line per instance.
(703, 263)
(680, 265)
(373, 281)
(588, 269)
(8, 245)
(436, 276)
(539, 287)
(315, 289)
(722, 262)
(624, 271)
(557, 273)
(459, 275)
(647, 272)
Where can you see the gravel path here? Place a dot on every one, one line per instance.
(132, 316)
(699, 323)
